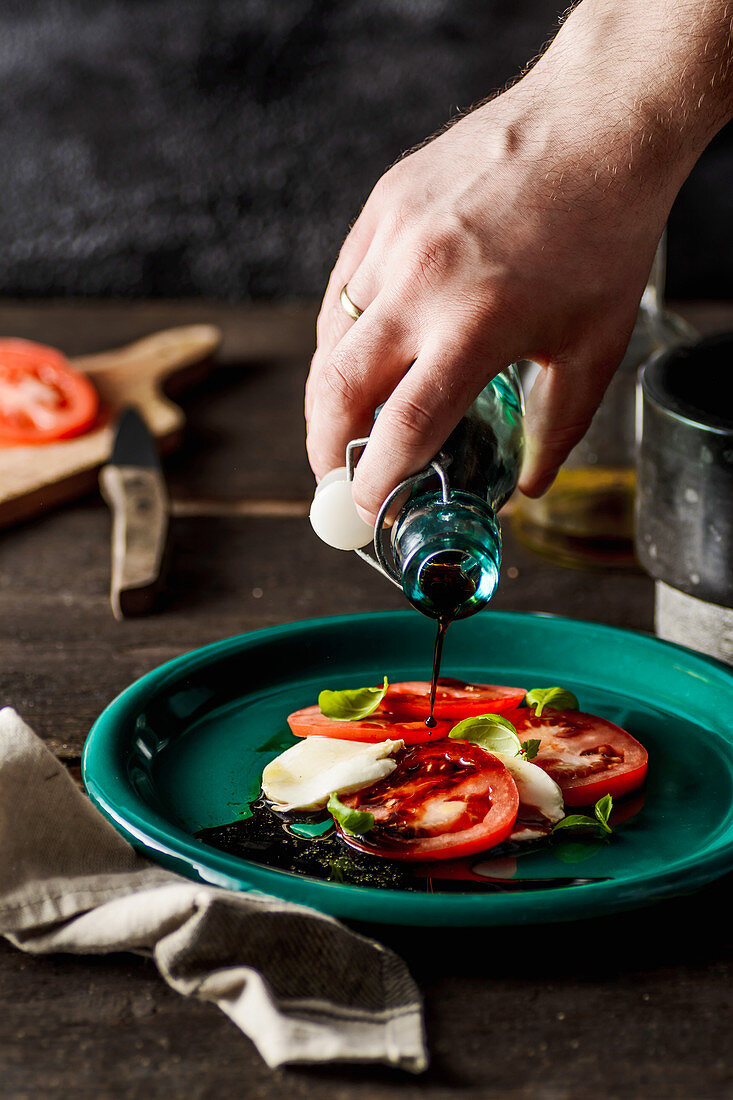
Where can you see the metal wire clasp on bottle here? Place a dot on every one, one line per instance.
(385, 561)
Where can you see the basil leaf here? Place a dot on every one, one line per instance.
(492, 732)
(602, 810)
(556, 697)
(531, 748)
(353, 822)
(576, 821)
(352, 703)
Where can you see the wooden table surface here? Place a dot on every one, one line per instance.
(634, 1006)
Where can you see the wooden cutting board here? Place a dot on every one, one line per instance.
(34, 479)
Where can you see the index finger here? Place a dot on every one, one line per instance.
(417, 419)
(357, 377)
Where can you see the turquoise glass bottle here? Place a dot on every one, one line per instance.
(447, 545)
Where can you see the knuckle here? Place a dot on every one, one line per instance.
(427, 261)
(411, 417)
(332, 321)
(559, 438)
(391, 329)
(383, 190)
(435, 256)
(396, 223)
(340, 382)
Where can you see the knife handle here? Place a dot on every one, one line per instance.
(139, 504)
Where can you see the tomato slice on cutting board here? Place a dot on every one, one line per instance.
(454, 699)
(42, 398)
(587, 756)
(378, 726)
(442, 800)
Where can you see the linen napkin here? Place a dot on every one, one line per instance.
(302, 986)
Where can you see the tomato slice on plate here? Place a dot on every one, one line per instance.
(454, 699)
(587, 756)
(442, 800)
(42, 398)
(378, 726)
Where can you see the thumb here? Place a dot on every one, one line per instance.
(560, 408)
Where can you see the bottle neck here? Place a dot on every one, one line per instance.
(447, 554)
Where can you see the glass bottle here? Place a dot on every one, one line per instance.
(444, 547)
(447, 547)
(586, 518)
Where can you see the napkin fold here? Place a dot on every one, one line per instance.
(302, 986)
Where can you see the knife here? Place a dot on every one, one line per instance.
(133, 486)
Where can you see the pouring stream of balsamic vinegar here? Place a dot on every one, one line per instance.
(448, 586)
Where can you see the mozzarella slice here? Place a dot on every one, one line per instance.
(540, 799)
(303, 777)
(438, 815)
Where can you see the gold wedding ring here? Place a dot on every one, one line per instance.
(347, 305)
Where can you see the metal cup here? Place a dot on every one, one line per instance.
(684, 502)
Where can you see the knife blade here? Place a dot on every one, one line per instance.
(133, 485)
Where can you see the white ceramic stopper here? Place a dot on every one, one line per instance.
(333, 514)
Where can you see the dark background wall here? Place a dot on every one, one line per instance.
(221, 147)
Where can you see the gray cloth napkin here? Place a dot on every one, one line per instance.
(299, 984)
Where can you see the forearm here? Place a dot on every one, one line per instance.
(647, 83)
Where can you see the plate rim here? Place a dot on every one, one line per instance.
(105, 781)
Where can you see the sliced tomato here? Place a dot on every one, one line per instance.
(378, 726)
(454, 699)
(42, 398)
(442, 800)
(587, 756)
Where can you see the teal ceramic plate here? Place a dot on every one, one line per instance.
(183, 749)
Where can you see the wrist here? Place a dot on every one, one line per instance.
(644, 83)
(548, 130)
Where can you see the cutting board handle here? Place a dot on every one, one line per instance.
(33, 479)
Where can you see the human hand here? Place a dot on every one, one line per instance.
(527, 230)
(467, 257)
